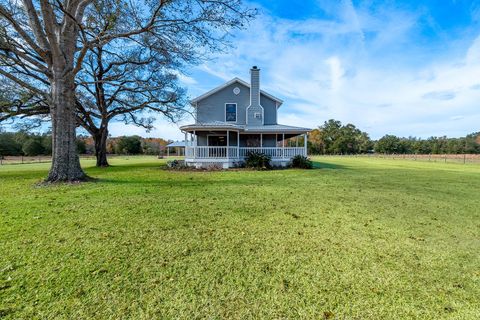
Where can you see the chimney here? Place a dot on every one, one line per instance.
(254, 86)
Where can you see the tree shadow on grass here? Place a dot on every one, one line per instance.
(240, 177)
(327, 165)
(124, 167)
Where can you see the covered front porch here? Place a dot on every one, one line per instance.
(233, 146)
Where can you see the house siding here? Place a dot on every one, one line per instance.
(251, 119)
(269, 109)
(212, 108)
(202, 138)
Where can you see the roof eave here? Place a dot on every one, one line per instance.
(194, 101)
(279, 130)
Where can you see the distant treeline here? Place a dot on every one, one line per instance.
(331, 138)
(29, 144)
(334, 138)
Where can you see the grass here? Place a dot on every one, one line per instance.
(355, 239)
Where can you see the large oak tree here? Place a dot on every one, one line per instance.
(44, 45)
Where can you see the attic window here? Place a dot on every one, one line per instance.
(257, 115)
(230, 112)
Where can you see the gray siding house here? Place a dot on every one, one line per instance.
(237, 118)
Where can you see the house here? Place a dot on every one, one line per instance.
(237, 118)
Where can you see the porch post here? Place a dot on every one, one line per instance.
(195, 145)
(228, 144)
(283, 145)
(276, 144)
(305, 144)
(261, 140)
(296, 142)
(186, 142)
(238, 144)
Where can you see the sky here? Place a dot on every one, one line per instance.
(409, 68)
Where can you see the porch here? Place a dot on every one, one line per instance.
(213, 152)
(231, 147)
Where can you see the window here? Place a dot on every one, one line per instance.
(231, 112)
(257, 115)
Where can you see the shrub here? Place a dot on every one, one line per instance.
(301, 162)
(176, 164)
(258, 160)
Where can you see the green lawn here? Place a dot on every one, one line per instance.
(356, 239)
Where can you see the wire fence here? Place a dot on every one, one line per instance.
(446, 158)
(11, 160)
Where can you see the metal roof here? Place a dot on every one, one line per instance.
(226, 84)
(177, 144)
(218, 125)
(275, 128)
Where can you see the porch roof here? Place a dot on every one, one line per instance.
(218, 125)
(276, 128)
(177, 144)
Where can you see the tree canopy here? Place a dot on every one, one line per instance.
(334, 138)
(46, 48)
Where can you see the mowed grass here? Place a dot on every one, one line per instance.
(355, 238)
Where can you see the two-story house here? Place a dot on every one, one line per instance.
(235, 119)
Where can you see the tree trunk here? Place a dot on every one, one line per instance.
(101, 147)
(65, 160)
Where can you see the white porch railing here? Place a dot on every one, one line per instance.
(242, 152)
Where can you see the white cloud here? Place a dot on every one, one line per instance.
(356, 68)
(359, 66)
(186, 79)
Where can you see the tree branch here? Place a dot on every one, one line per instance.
(24, 35)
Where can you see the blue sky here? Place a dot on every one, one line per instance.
(389, 67)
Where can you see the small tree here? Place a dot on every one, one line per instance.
(81, 146)
(388, 144)
(8, 145)
(129, 145)
(33, 147)
(334, 138)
